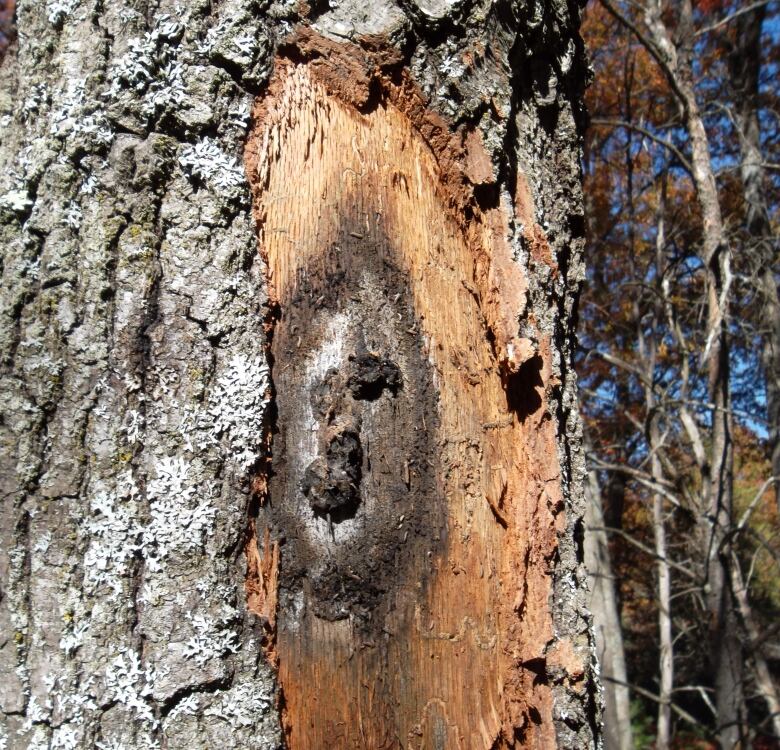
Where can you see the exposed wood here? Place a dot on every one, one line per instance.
(415, 486)
(262, 579)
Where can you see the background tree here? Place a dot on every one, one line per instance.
(664, 209)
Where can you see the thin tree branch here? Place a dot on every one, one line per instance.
(651, 48)
(632, 472)
(681, 712)
(732, 16)
(649, 134)
(618, 362)
(647, 550)
(754, 503)
(642, 478)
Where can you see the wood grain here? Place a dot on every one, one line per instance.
(452, 650)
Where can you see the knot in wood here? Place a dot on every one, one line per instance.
(372, 375)
(332, 483)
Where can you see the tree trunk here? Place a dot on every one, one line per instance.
(763, 675)
(649, 353)
(745, 68)
(717, 472)
(603, 603)
(291, 448)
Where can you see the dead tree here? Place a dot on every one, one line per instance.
(291, 452)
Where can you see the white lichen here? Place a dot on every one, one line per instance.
(74, 114)
(35, 714)
(212, 640)
(206, 161)
(130, 683)
(33, 104)
(66, 737)
(239, 113)
(76, 705)
(451, 65)
(150, 68)
(241, 705)
(181, 517)
(208, 588)
(134, 425)
(16, 200)
(88, 185)
(72, 637)
(237, 406)
(72, 217)
(114, 531)
(186, 707)
(58, 10)
(43, 543)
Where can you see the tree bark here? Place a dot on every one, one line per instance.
(649, 354)
(291, 447)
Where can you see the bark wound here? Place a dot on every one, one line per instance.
(414, 485)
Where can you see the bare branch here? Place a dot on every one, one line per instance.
(655, 52)
(649, 134)
(681, 712)
(642, 478)
(729, 18)
(618, 362)
(647, 550)
(754, 503)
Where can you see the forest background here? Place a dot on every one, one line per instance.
(679, 365)
(680, 369)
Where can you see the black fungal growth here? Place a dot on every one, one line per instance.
(372, 375)
(332, 484)
(355, 395)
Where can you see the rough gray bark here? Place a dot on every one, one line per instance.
(134, 376)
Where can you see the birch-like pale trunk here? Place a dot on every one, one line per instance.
(603, 604)
(136, 389)
(648, 353)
